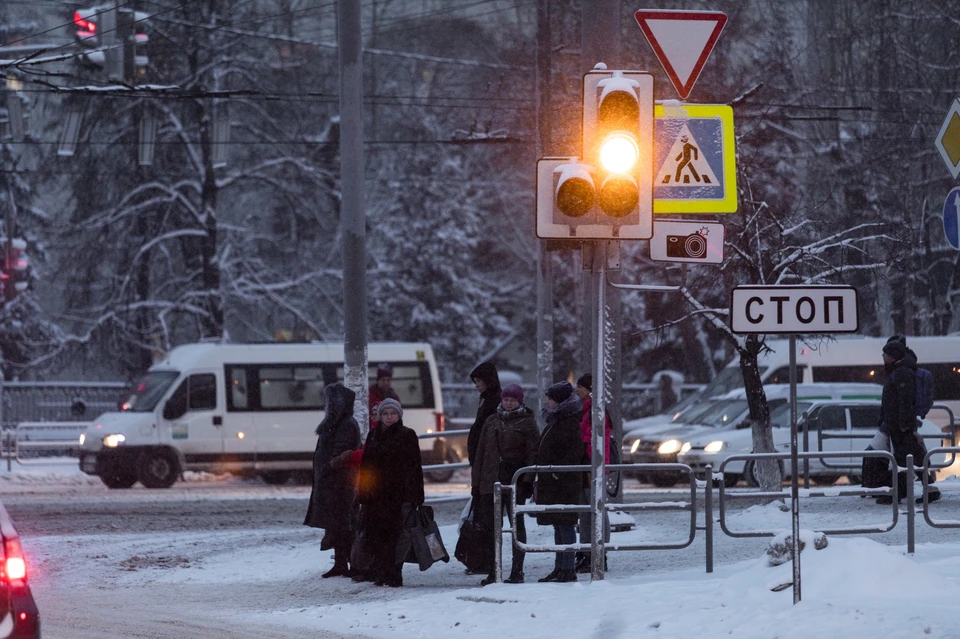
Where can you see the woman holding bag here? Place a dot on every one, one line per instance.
(508, 442)
(391, 484)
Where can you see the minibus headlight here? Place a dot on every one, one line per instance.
(83, 438)
(714, 447)
(112, 441)
(669, 447)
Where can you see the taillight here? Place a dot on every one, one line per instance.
(439, 417)
(14, 566)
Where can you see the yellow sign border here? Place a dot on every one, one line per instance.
(727, 204)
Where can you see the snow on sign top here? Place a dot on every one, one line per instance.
(682, 40)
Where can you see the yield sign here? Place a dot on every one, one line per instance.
(682, 40)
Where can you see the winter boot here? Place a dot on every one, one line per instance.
(516, 570)
(565, 576)
(339, 569)
(551, 577)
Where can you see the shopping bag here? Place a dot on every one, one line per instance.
(425, 539)
(470, 549)
(361, 555)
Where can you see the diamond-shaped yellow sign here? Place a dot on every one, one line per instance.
(948, 139)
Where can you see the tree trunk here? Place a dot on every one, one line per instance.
(768, 472)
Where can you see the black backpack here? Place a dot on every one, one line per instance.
(924, 392)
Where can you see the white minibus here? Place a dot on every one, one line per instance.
(247, 408)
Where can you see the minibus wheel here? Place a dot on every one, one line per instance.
(664, 479)
(158, 468)
(118, 477)
(275, 477)
(825, 480)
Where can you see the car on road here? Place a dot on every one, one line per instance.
(19, 617)
(830, 425)
(728, 412)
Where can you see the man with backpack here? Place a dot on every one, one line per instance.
(906, 399)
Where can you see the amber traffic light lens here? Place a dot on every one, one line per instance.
(619, 153)
(619, 196)
(619, 110)
(575, 197)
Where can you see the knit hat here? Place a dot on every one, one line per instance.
(586, 380)
(384, 370)
(513, 391)
(560, 391)
(896, 347)
(390, 403)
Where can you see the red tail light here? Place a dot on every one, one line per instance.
(83, 23)
(440, 422)
(14, 565)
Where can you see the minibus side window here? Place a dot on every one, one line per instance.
(176, 406)
(872, 374)
(782, 375)
(411, 382)
(203, 392)
(238, 399)
(293, 387)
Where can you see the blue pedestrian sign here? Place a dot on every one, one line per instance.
(951, 218)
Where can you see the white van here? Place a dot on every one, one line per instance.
(846, 359)
(250, 408)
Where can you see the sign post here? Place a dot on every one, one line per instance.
(792, 310)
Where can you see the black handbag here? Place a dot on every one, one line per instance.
(425, 538)
(470, 550)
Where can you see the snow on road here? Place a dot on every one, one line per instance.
(264, 581)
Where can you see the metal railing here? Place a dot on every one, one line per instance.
(33, 443)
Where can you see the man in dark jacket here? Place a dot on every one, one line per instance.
(560, 445)
(487, 381)
(898, 410)
(334, 493)
(391, 485)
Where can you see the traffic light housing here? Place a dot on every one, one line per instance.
(116, 38)
(608, 192)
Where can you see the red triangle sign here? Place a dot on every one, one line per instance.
(682, 40)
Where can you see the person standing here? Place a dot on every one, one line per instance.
(487, 381)
(382, 390)
(668, 397)
(508, 442)
(560, 445)
(334, 493)
(898, 415)
(391, 485)
(584, 389)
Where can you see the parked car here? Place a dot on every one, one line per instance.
(19, 617)
(726, 413)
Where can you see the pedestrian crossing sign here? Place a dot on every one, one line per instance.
(694, 161)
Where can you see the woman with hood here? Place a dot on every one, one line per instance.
(391, 485)
(487, 381)
(560, 445)
(334, 485)
(508, 442)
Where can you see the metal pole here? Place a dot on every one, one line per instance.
(498, 533)
(911, 507)
(352, 208)
(708, 517)
(597, 489)
(794, 475)
(544, 263)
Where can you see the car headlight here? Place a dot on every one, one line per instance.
(112, 441)
(714, 447)
(669, 447)
(634, 446)
(83, 438)
(685, 447)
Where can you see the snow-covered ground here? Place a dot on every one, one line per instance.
(855, 587)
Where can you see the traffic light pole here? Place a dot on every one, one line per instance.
(598, 493)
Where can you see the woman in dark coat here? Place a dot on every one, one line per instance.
(560, 445)
(391, 484)
(487, 381)
(334, 485)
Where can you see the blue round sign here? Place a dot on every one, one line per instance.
(951, 217)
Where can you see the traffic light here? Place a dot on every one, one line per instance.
(608, 192)
(117, 39)
(16, 273)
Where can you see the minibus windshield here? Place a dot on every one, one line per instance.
(148, 391)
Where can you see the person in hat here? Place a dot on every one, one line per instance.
(898, 417)
(560, 445)
(390, 485)
(334, 493)
(380, 391)
(508, 442)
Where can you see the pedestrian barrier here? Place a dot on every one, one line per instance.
(35, 443)
(945, 523)
(518, 511)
